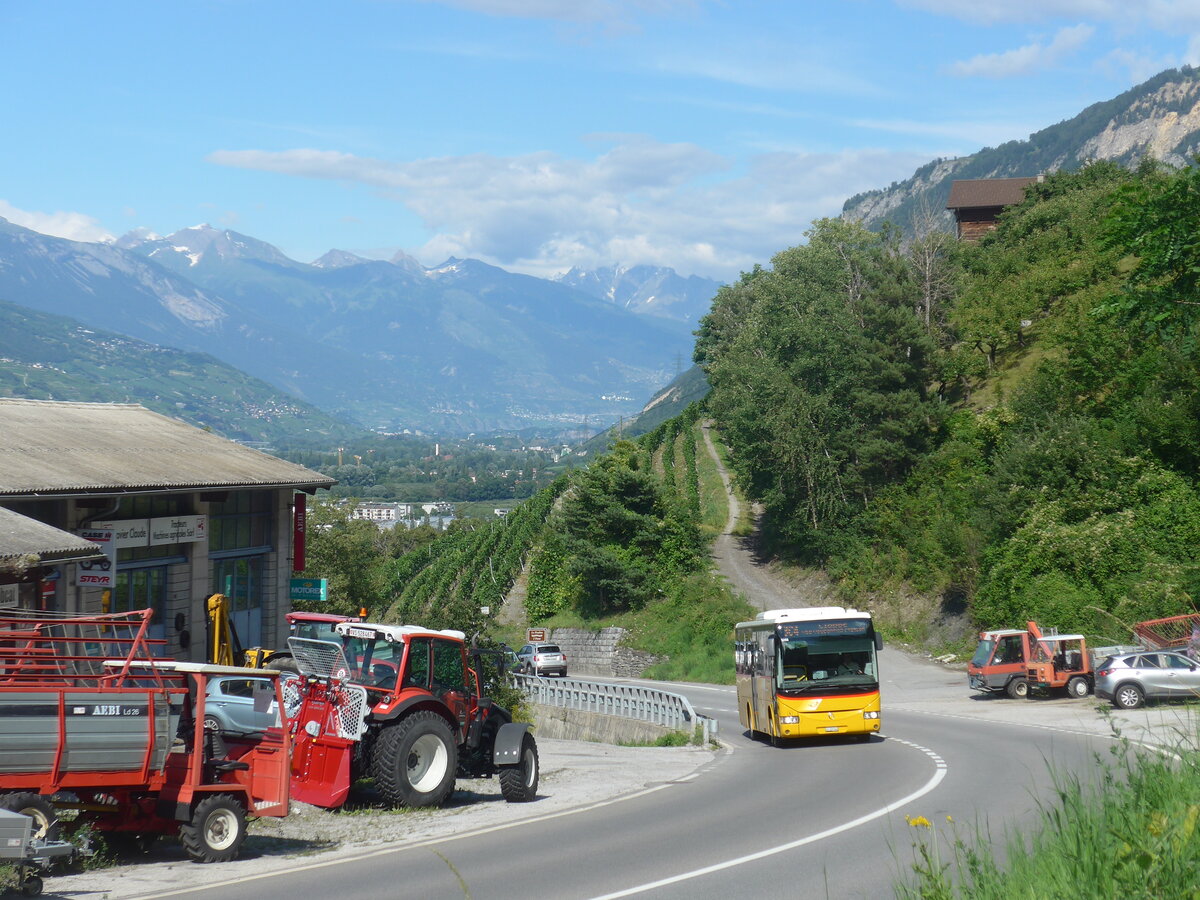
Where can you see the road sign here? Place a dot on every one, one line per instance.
(535, 634)
(311, 589)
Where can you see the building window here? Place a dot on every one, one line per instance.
(141, 589)
(240, 578)
(241, 522)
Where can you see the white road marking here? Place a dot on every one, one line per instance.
(384, 851)
(940, 769)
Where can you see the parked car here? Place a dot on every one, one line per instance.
(542, 659)
(240, 704)
(1129, 680)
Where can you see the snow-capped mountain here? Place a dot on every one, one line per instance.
(647, 290)
(388, 344)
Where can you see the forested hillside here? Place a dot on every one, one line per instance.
(1009, 428)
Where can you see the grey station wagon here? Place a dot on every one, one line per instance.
(1129, 680)
(542, 659)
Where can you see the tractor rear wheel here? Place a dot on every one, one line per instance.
(1017, 688)
(216, 830)
(39, 808)
(1078, 687)
(415, 760)
(519, 783)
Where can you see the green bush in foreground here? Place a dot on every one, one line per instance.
(1138, 840)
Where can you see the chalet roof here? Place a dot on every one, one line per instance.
(974, 193)
(21, 536)
(52, 448)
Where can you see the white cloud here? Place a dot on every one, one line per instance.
(70, 225)
(1025, 60)
(1168, 15)
(639, 201)
(765, 68)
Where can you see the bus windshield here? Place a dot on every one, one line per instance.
(826, 661)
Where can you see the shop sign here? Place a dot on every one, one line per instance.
(98, 573)
(310, 589)
(128, 532)
(178, 530)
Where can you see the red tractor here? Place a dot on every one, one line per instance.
(401, 704)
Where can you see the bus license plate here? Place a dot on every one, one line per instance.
(832, 728)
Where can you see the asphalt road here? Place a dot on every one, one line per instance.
(824, 819)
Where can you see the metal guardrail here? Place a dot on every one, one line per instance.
(627, 700)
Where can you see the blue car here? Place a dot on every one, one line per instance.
(240, 704)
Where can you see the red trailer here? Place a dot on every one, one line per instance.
(89, 710)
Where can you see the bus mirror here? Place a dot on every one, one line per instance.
(878, 641)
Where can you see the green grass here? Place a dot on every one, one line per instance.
(693, 629)
(714, 499)
(1135, 838)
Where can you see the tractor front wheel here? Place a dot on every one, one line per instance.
(1017, 688)
(519, 783)
(415, 760)
(38, 808)
(216, 830)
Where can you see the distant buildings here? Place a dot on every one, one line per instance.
(439, 514)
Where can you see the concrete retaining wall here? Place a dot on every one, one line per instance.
(577, 725)
(598, 653)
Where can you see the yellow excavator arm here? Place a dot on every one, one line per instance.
(221, 639)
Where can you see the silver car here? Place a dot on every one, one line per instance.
(1129, 680)
(240, 704)
(542, 659)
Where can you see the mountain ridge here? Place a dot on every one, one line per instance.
(1159, 118)
(464, 346)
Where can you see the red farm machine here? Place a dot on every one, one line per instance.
(1178, 633)
(95, 721)
(401, 704)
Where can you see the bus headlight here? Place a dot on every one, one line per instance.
(789, 720)
(874, 714)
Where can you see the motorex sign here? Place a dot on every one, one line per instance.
(311, 589)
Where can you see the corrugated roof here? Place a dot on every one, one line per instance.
(51, 447)
(982, 192)
(23, 536)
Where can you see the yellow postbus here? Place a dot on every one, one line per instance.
(808, 673)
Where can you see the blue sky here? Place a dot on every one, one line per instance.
(533, 134)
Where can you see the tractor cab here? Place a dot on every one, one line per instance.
(1000, 662)
(1060, 661)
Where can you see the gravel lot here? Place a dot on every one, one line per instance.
(574, 776)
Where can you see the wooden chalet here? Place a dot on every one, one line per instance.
(978, 202)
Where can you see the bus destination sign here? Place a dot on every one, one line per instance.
(791, 631)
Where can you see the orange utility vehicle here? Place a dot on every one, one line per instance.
(401, 704)
(1060, 661)
(92, 717)
(1013, 660)
(1000, 662)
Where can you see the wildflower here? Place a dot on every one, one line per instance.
(918, 821)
